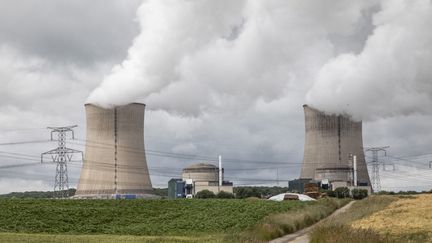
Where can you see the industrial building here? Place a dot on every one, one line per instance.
(333, 150)
(199, 177)
(176, 188)
(115, 163)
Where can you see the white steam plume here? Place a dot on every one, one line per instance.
(194, 56)
(393, 73)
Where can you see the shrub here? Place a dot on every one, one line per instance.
(245, 192)
(204, 194)
(267, 192)
(342, 192)
(331, 193)
(225, 195)
(359, 194)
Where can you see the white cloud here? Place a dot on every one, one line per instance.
(182, 61)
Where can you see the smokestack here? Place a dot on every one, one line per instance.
(329, 141)
(355, 169)
(115, 162)
(220, 171)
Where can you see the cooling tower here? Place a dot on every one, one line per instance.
(329, 141)
(115, 162)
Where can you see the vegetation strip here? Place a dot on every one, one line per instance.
(277, 225)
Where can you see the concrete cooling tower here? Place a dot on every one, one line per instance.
(330, 139)
(115, 164)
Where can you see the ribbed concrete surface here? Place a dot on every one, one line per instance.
(115, 161)
(329, 141)
(201, 172)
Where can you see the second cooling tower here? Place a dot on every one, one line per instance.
(115, 162)
(329, 142)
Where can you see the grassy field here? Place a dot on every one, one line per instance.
(407, 219)
(33, 220)
(381, 219)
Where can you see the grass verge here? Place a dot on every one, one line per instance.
(336, 233)
(277, 225)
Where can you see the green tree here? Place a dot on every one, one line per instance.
(245, 192)
(204, 194)
(342, 192)
(225, 195)
(359, 194)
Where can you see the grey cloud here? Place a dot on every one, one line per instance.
(79, 31)
(234, 85)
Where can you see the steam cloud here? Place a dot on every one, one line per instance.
(391, 76)
(365, 58)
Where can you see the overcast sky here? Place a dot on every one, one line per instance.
(218, 77)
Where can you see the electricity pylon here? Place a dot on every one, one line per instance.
(376, 183)
(61, 155)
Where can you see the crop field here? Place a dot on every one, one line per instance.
(409, 218)
(139, 220)
(381, 219)
(135, 217)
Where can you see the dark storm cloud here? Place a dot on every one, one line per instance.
(78, 31)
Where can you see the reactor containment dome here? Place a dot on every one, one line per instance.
(330, 143)
(115, 163)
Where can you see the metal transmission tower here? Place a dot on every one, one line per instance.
(61, 156)
(376, 183)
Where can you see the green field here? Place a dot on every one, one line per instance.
(138, 220)
(50, 238)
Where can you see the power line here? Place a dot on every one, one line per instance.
(24, 142)
(181, 156)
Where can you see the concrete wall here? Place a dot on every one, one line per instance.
(115, 159)
(200, 186)
(205, 174)
(329, 140)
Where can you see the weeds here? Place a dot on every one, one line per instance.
(277, 225)
(344, 233)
